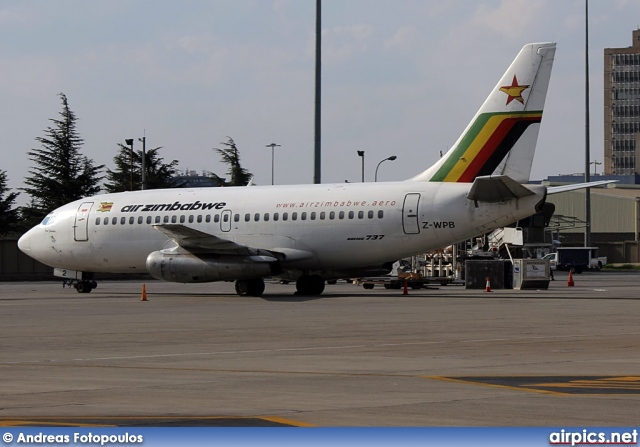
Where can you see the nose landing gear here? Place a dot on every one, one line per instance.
(85, 286)
(81, 286)
(73, 278)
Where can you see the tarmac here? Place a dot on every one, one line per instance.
(198, 354)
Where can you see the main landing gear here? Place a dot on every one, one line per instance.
(310, 285)
(305, 285)
(250, 287)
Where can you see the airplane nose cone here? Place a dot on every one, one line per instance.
(24, 243)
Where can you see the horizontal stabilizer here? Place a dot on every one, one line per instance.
(574, 186)
(497, 189)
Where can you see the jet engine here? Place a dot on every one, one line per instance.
(189, 268)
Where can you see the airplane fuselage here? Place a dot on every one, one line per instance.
(331, 227)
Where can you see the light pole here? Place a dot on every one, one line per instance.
(587, 156)
(361, 154)
(144, 163)
(272, 146)
(393, 157)
(129, 141)
(317, 120)
(595, 166)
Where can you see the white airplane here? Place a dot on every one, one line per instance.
(313, 233)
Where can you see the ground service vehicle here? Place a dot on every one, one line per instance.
(576, 258)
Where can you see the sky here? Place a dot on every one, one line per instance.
(399, 77)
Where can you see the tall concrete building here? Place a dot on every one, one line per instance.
(622, 109)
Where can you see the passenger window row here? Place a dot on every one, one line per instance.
(322, 215)
(158, 219)
(257, 217)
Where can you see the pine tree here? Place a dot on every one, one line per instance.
(158, 174)
(8, 216)
(230, 155)
(61, 174)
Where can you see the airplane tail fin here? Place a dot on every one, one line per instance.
(501, 138)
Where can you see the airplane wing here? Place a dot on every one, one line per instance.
(197, 241)
(565, 188)
(496, 189)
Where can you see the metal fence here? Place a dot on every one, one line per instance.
(16, 266)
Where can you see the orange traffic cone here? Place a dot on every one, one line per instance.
(406, 288)
(570, 282)
(144, 293)
(488, 286)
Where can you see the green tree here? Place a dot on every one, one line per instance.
(158, 174)
(60, 174)
(231, 156)
(8, 216)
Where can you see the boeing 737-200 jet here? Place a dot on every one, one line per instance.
(313, 233)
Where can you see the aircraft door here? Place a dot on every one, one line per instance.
(81, 223)
(410, 222)
(225, 220)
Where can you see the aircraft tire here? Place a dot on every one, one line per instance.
(84, 287)
(310, 285)
(250, 287)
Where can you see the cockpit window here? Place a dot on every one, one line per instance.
(50, 219)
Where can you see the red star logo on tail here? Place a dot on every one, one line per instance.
(514, 91)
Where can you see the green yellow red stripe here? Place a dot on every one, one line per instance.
(484, 145)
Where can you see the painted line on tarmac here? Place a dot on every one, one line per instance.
(142, 421)
(46, 422)
(555, 385)
(469, 381)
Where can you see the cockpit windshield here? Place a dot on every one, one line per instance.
(50, 219)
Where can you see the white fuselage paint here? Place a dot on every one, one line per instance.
(337, 226)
